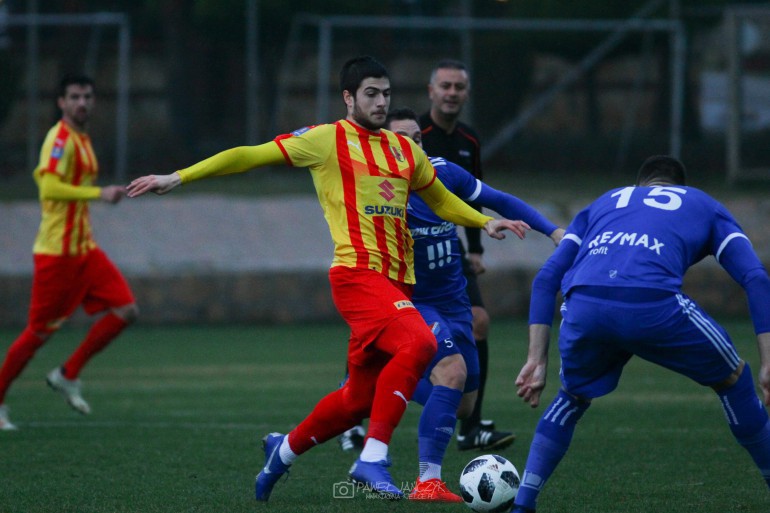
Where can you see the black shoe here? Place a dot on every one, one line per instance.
(352, 439)
(483, 439)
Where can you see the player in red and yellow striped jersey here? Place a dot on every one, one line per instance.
(363, 176)
(69, 268)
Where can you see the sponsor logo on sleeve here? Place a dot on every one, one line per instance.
(404, 303)
(300, 131)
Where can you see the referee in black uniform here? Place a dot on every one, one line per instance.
(444, 135)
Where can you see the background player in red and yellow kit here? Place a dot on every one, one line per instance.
(70, 269)
(363, 176)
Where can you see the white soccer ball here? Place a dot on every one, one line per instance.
(489, 484)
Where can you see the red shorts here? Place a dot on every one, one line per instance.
(368, 301)
(62, 283)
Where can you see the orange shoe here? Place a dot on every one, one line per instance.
(433, 490)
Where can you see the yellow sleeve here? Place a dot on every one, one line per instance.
(52, 188)
(451, 208)
(234, 160)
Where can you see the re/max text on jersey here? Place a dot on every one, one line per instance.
(623, 238)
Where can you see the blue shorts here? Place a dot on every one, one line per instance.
(598, 336)
(452, 324)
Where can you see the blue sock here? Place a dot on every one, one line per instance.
(549, 445)
(748, 420)
(437, 424)
(422, 392)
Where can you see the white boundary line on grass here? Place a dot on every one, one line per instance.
(140, 424)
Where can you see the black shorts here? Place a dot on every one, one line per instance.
(472, 288)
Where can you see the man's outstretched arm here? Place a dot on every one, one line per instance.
(234, 160)
(451, 208)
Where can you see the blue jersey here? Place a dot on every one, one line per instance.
(438, 268)
(647, 238)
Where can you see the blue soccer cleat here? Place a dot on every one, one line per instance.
(274, 468)
(374, 476)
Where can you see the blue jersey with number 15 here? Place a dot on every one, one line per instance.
(647, 237)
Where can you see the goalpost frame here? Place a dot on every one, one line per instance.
(735, 17)
(617, 29)
(33, 22)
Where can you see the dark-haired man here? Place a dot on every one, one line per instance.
(620, 267)
(363, 176)
(70, 269)
(444, 135)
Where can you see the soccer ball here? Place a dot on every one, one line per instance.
(489, 484)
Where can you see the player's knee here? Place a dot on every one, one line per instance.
(358, 405)
(450, 372)
(129, 313)
(420, 342)
(44, 331)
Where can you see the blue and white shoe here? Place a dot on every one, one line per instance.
(374, 477)
(274, 468)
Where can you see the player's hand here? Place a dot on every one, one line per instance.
(495, 228)
(159, 184)
(557, 235)
(112, 193)
(531, 382)
(476, 263)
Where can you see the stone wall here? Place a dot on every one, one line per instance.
(219, 259)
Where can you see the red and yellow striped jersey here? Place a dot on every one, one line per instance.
(363, 180)
(65, 226)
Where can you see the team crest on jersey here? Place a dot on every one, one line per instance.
(397, 153)
(404, 303)
(57, 152)
(300, 131)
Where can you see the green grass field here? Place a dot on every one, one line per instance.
(178, 411)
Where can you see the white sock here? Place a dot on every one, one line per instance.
(374, 451)
(429, 471)
(285, 452)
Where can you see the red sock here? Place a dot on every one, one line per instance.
(21, 351)
(328, 419)
(413, 346)
(394, 390)
(100, 334)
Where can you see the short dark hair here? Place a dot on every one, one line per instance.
(448, 64)
(664, 168)
(400, 114)
(71, 79)
(357, 69)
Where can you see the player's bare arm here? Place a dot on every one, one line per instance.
(496, 227)
(159, 184)
(532, 377)
(763, 343)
